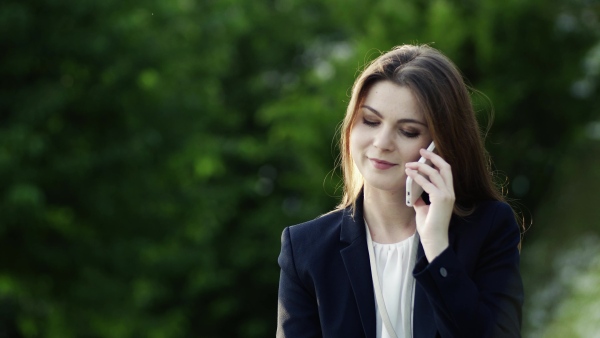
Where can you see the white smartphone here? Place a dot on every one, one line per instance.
(414, 190)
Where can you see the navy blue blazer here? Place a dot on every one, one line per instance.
(472, 289)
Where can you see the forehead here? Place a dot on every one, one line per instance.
(393, 101)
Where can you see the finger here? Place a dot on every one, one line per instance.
(427, 185)
(431, 173)
(443, 167)
(421, 210)
(440, 192)
(420, 203)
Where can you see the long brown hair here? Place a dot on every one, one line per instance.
(443, 97)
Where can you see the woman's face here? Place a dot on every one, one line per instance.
(388, 132)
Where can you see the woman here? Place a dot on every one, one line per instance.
(374, 267)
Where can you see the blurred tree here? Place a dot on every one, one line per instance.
(151, 153)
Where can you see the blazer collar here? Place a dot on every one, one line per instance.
(353, 227)
(356, 260)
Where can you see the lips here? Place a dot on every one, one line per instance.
(381, 164)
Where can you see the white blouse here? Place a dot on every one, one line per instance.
(395, 263)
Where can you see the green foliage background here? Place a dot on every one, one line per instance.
(152, 152)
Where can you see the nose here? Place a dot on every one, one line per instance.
(384, 139)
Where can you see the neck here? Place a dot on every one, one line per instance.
(388, 217)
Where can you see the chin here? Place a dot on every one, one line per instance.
(386, 186)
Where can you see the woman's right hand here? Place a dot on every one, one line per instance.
(433, 220)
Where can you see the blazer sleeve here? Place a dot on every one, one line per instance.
(486, 302)
(297, 311)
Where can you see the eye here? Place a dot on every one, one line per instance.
(409, 133)
(370, 123)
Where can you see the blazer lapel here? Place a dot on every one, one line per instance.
(356, 261)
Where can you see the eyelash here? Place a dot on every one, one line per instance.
(403, 132)
(409, 134)
(370, 123)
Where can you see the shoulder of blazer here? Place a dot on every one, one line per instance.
(317, 231)
(490, 220)
(321, 237)
(491, 213)
(487, 213)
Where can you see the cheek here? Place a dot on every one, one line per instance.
(353, 139)
(359, 135)
(415, 157)
(358, 141)
(412, 153)
(353, 148)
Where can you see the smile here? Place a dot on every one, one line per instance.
(380, 164)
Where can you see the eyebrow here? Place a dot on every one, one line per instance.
(374, 111)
